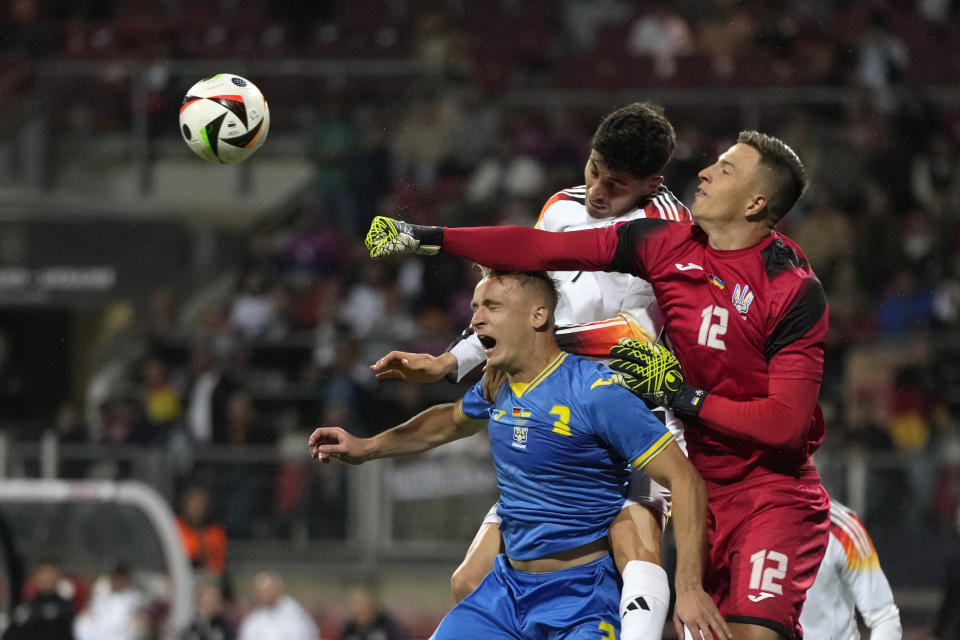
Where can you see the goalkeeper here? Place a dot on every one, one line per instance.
(622, 182)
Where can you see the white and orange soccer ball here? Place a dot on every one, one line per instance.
(224, 118)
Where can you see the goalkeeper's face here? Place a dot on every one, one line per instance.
(507, 318)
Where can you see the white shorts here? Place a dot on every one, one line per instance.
(643, 489)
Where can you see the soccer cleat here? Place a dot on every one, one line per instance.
(391, 237)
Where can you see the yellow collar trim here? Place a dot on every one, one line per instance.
(520, 388)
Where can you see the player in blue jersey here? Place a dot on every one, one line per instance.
(564, 438)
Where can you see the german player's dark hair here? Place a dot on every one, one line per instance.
(637, 139)
(539, 279)
(785, 173)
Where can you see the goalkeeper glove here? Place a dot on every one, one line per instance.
(392, 237)
(653, 373)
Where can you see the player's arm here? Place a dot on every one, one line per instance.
(653, 373)
(694, 608)
(594, 339)
(862, 575)
(431, 428)
(795, 364)
(506, 248)
(414, 367)
(794, 351)
(789, 404)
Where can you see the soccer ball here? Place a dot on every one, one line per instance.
(224, 119)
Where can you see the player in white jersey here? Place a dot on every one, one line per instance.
(595, 310)
(849, 580)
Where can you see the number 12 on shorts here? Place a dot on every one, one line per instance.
(768, 568)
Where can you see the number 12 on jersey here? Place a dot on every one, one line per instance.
(712, 326)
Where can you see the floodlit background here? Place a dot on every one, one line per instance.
(178, 323)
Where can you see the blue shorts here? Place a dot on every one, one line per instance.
(579, 603)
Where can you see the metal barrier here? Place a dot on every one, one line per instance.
(269, 497)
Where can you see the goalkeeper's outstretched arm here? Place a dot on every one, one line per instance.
(506, 248)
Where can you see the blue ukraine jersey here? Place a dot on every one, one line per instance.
(563, 446)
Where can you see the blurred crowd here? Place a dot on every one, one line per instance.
(281, 341)
(121, 604)
(574, 43)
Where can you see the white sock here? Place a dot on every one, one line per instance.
(643, 601)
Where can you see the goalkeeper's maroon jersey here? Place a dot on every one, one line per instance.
(737, 320)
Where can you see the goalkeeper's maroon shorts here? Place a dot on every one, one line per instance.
(767, 538)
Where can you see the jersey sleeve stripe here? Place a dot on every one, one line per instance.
(664, 204)
(566, 194)
(590, 326)
(654, 449)
(856, 559)
(853, 529)
(656, 203)
(461, 412)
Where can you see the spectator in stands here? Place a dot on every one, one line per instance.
(243, 425)
(829, 234)
(367, 618)
(161, 316)
(726, 28)
(161, 399)
(311, 249)
(906, 307)
(883, 61)
(123, 421)
(242, 490)
(582, 19)
(209, 391)
(663, 35)
(935, 178)
(506, 173)
(117, 610)
(277, 615)
(420, 140)
(204, 541)
(46, 614)
(441, 47)
(333, 144)
(946, 295)
(71, 429)
(252, 311)
(209, 619)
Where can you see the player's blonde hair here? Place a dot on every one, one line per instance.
(539, 280)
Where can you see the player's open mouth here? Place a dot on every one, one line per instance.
(487, 342)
